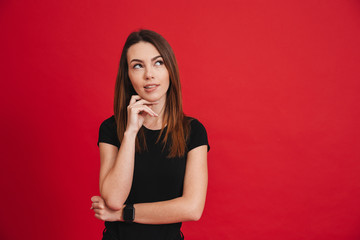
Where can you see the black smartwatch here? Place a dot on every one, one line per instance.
(129, 213)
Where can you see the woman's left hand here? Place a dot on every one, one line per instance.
(102, 212)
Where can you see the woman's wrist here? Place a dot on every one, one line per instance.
(130, 134)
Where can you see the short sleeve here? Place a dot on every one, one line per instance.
(107, 132)
(198, 135)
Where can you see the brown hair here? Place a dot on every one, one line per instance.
(177, 124)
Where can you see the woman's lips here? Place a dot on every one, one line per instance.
(151, 87)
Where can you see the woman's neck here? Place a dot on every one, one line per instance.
(155, 123)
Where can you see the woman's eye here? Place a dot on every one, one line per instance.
(158, 63)
(137, 66)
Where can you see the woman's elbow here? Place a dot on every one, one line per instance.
(113, 204)
(196, 213)
(196, 217)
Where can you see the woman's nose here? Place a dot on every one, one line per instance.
(149, 74)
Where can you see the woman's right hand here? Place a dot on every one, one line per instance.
(137, 110)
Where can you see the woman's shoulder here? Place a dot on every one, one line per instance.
(107, 131)
(109, 120)
(194, 122)
(197, 135)
(108, 123)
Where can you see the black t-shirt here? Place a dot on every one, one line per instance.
(156, 178)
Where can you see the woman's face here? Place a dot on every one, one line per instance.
(147, 72)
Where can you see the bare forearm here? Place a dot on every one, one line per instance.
(170, 211)
(117, 183)
(190, 206)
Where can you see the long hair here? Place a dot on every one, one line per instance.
(177, 124)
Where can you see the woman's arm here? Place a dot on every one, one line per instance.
(116, 171)
(188, 207)
(117, 167)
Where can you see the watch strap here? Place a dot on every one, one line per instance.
(129, 213)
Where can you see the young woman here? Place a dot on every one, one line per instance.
(153, 172)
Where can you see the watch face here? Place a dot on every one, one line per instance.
(129, 214)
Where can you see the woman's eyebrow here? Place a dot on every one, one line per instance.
(135, 60)
(138, 60)
(155, 58)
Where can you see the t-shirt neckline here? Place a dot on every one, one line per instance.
(153, 130)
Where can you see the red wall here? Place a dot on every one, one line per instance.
(276, 83)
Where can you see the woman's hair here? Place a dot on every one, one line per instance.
(177, 124)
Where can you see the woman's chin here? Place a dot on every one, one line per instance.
(147, 98)
(150, 98)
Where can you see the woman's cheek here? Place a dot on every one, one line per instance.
(136, 84)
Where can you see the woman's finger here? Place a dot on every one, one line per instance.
(134, 98)
(97, 216)
(98, 205)
(143, 108)
(95, 198)
(155, 114)
(98, 211)
(145, 102)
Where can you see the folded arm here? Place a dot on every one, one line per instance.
(188, 207)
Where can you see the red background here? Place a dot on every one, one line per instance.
(276, 83)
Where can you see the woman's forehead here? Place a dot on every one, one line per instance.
(142, 50)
